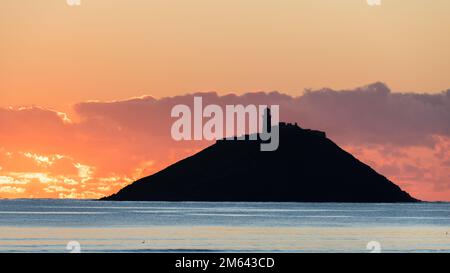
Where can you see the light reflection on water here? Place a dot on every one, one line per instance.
(48, 225)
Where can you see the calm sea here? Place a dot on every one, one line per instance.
(94, 226)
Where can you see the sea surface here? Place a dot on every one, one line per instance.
(97, 226)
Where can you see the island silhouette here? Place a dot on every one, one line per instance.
(306, 167)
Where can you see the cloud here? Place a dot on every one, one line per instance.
(370, 114)
(373, 114)
(11, 190)
(109, 144)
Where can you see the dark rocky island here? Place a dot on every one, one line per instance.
(307, 167)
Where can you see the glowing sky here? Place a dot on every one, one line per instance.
(54, 55)
(56, 58)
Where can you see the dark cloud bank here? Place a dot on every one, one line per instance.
(367, 115)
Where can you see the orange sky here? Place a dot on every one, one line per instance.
(53, 55)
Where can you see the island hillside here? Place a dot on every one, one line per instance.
(306, 167)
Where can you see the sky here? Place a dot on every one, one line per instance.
(85, 91)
